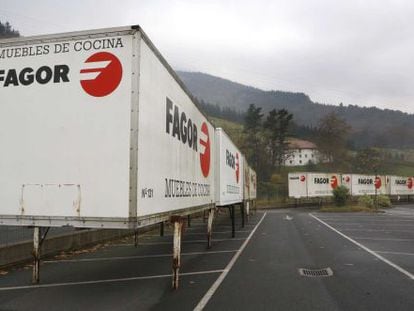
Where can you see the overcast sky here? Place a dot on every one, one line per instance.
(358, 52)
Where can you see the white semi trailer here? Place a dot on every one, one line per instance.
(229, 176)
(97, 131)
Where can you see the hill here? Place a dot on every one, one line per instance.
(371, 126)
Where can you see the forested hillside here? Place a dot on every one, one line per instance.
(370, 126)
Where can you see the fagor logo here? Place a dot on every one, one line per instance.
(233, 162)
(334, 182)
(178, 125)
(205, 154)
(377, 182)
(101, 74)
(237, 168)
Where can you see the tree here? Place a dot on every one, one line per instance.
(332, 135)
(6, 31)
(368, 161)
(253, 144)
(276, 129)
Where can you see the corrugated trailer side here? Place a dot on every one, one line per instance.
(176, 143)
(229, 171)
(65, 124)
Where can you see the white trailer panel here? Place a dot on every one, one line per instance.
(297, 184)
(253, 184)
(97, 131)
(346, 181)
(368, 184)
(246, 180)
(321, 185)
(229, 169)
(176, 143)
(398, 185)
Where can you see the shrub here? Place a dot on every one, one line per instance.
(383, 201)
(366, 201)
(341, 195)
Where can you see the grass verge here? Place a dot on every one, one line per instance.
(349, 209)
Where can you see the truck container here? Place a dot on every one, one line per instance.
(253, 184)
(322, 185)
(368, 184)
(297, 184)
(97, 130)
(398, 185)
(229, 171)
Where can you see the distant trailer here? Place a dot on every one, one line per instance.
(368, 184)
(398, 185)
(229, 171)
(253, 184)
(312, 185)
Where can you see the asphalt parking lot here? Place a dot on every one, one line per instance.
(371, 257)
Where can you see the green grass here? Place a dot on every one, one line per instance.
(348, 209)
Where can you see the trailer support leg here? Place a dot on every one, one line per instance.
(136, 237)
(210, 226)
(246, 203)
(178, 225)
(161, 228)
(242, 214)
(37, 244)
(233, 227)
(189, 220)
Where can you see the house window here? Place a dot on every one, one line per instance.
(312, 155)
(306, 155)
(290, 161)
(300, 156)
(300, 161)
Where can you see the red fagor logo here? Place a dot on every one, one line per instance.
(237, 168)
(410, 182)
(205, 154)
(347, 179)
(101, 74)
(334, 182)
(377, 182)
(302, 178)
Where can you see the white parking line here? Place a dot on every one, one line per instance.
(150, 277)
(194, 233)
(382, 239)
(206, 298)
(389, 262)
(395, 253)
(169, 242)
(377, 230)
(368, 223)
(134, 257)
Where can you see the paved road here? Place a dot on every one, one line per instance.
(14, 234)
(371, 257)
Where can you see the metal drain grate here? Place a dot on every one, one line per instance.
(316, 272)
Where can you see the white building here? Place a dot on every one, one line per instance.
(301, 152)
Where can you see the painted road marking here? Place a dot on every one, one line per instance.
(389, 262)
(382, 239)
(169, 242)
(395, 253)
(135, 257)
(203, 302)
(378, 230)
(150, 277)
(193, 233)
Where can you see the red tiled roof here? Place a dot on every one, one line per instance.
(301, 144)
